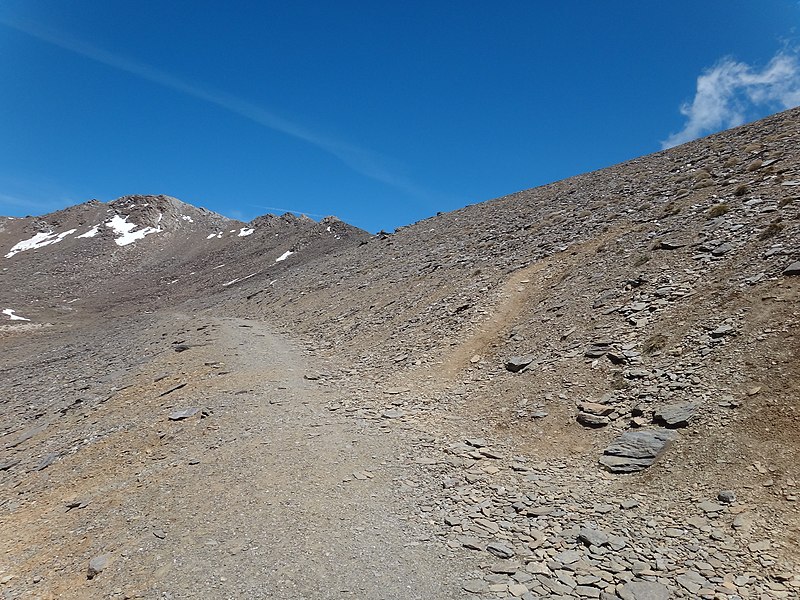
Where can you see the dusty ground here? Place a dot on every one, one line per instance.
(270, 495)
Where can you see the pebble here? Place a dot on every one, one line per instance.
(726, 496)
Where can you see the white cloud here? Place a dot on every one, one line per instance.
(729, 92)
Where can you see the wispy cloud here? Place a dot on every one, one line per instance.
(361, 160)
(20, 196)
(9, 203)
(729, 92)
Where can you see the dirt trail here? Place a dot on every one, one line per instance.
(272, 515)
(522, 288)
(271, 496)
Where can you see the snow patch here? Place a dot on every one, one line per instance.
(284, 256)
(214, 235)
(187, 218)
(12, 316)
(240, 279)
(244, 232)
(91, 233)
(44, 238)
(125, 230)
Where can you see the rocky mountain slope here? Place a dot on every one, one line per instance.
(592, 385)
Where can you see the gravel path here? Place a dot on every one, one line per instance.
(262, 493)
(301, 504)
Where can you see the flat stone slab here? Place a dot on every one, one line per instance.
(644, 590)
(722, 331)
(596, 350)
(636, 450)
(499, 549)
(183, 414)
(792, 269)
(589, 420)
(672, 244)
(592, 537)
(676, 415)
(595, 408)
(515, 364)
(393, 413)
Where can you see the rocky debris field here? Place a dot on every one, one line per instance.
(585, 390)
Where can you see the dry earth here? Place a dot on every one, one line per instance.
(440, 412)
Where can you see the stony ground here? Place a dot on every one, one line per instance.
(198, 456)
(586, 390)
(264, 492)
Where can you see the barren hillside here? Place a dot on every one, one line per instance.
(584, 390)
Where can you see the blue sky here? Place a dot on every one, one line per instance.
(381, 113)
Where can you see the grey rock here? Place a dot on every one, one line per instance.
(726, 496)
(587, 591)
(472, 543)
(47, 460)
(97, 565)
(595, 408)
(625, 464)
(644, 590)
(592, 537)
(636, 450)
(179, 415)
(617, 358)
(590, 420)
(26, 435)
(508, 567)
(476, 442)
(476, 586)
(515, 364)
(596, 350)
(79, 504)
(489, 453)
(567, 557)
(722, 331)
(692, 581)
(393, 413)
(792, 269)
(676, 415)
(722, 249)
(500, 550)
(554, 586)
(671, 244)
(710, 507)
(393, 391)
